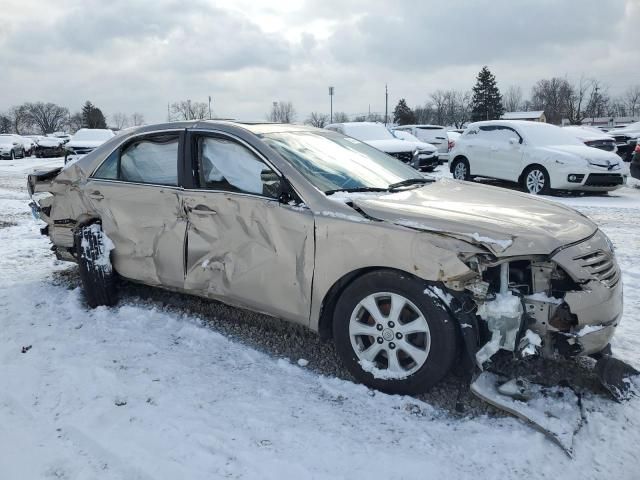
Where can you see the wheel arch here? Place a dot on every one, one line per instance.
(529, 167)
(328, 306)
(460, 157)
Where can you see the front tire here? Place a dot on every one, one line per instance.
(535, 180)
(96, 272)
(393, 336)
(460, 169)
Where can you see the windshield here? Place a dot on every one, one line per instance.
(7, 139)
(367, 131)
(543, 134)
(90, 135)
(331, 161)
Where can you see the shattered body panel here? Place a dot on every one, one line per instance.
(287, 257)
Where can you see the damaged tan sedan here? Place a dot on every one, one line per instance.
(406, 274)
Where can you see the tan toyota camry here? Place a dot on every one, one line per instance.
(407, 275)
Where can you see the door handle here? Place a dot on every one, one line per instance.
(96, 195)
(202, 210)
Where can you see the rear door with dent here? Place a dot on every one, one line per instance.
(244, 246)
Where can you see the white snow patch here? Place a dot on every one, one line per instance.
(380, 374)
(543, 297)
(342, 216)
(503, 244)
(303, 362)
(438, 293)
(530, 343)
(587, 329)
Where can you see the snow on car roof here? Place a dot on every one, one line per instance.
(93, 134)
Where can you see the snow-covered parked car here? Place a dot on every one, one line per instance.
(624, 137)
(11, 146)
(84, 141)
(593, 137)
(539, 156)
(29, 145)
(326, 231)
(50, 147)
(434, 134)
(421, 157)
(428, 151)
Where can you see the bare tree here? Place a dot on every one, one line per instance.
(599, 99)
(47, 117)
(554, 97)
(341, 117)
(317, 119)
(439, 105)
(512, 98)
(282, 112)
(5, 124)
(188, 110)
(21, 121)
(75, 122)
(120, 120)
(424, 114)
(137, 119)
(632, 100)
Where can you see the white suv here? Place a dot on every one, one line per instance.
(539, 156)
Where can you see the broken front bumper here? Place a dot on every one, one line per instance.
(598, 306)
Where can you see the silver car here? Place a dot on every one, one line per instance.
(407, 275)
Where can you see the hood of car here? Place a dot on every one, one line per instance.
(392, 145)
(84, 143)
(50, 142)
(506, 222)
(595, 156)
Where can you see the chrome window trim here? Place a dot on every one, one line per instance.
(124, 182)
(136, 135)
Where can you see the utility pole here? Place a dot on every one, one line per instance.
(595, 103)
(386, 104)
(168, 114)
(331, 90)
(209, 107)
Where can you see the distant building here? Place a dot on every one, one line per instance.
(537, 116)
(606, 122)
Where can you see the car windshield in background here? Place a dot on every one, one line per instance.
(543, 134)
(7, 139)
(368, 132)
(331, 161)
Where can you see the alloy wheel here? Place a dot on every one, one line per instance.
(460, 171)
(535, 181)
(389, 333)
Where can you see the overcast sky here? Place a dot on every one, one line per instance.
(137, 55)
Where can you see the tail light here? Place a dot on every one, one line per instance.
(451, 144)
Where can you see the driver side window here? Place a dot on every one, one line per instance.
(226, 165)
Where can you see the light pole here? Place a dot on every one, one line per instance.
(209, 107)
(386, 104)
(331, 89)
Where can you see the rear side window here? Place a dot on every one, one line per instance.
(151, 160)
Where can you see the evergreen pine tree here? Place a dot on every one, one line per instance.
(402, 114)
(487, 100)
(92, 116)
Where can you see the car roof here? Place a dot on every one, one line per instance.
(256, 128)
(420, 125)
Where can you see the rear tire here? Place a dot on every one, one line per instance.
(460, 169)
(535, 180)
(96, 272)
(408, 343)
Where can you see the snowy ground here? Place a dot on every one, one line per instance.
(140, 392)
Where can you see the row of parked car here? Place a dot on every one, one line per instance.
(57, 144)
(538, 156)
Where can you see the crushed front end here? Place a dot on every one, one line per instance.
(568, 303)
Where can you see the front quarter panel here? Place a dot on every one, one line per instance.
(344, 246)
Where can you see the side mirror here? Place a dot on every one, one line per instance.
(285, 193)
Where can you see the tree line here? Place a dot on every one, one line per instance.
(45, 117)
(558, 97)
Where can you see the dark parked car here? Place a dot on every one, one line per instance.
(50, 147)
(635, 163)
